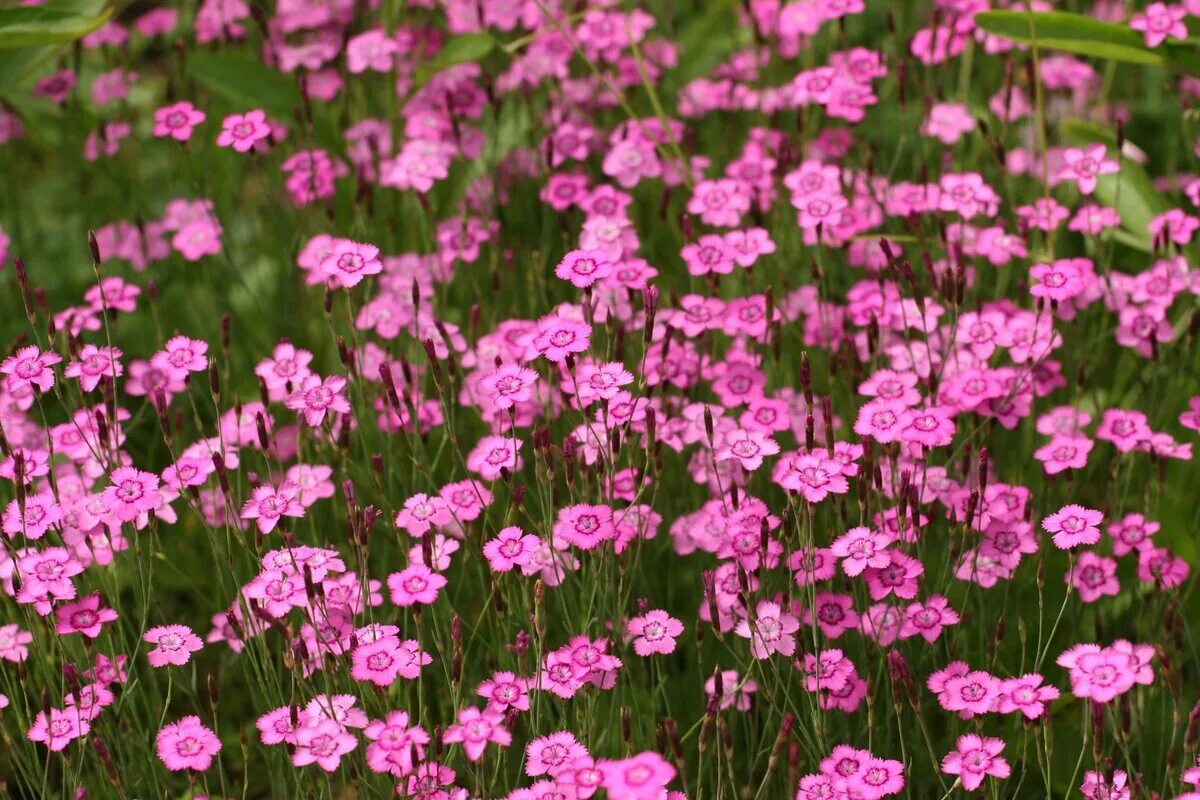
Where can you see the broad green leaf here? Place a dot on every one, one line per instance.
(1131, 191)
(459, 50)
(246, 82)
(19, 64)
(35, 26)
(1086, 36)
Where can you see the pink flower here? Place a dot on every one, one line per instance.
(177, 121)
(84, 616)
(1025, 694)
(29, 366)
(267, 505)
(1083, 165)
(174, 645)
(1064, 451)
(493, 454)
(40, 514)
(415, 585)
(947, 122)
(584, 526)
(508, 385)
(642, 777)
(1125, 429)
(348, 262)
(504, 691)
(323, 743)
(511, 547)
(62, 727)
(969, 694)
(770, 630)
(475, 729)
(131, 494)
(187, 744)
(975, 759)
(243, 131)
(384, 660)
(1093, 576)
(582, 268)
(1073, 525)
(1060, 280)
(928, 619)
(748, 447)
(728, 691)
(655, 632)
(314, 397)
(859, 548)
(813, 476)
(422, 512)
(94, 364)
(558, 337)
(1099, 673)
(395, 744)
(1159, 22)
(14, 642)
(883, 420)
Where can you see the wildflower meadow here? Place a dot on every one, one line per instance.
(569, 399)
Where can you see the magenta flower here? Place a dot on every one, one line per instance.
(14, 642)
(61, 728)
(1025, 694)
(131, 494)
(1063, 452)
(928, 619)
(94, 364)
(40, 514)
(84, 616)
(187, 744)
(1073, 525)
(654, 632)
(348, 262)
(475, 729)
(395, 745)
(558, 337)
(747, 447)
(1159, 22)
(582, 268)
(642, 777)
(384, 660)
(859, 548)
(1083, 165)
(29, 366)
(1093, 576)
(174, 645)
(416, 585)
(770, 630)
(315, 396)
(508, 385)
(177, 120)
(267, 505)
(975, 759)
(813, 476)
(322, 742)
(511, 547)
(243, 131)
(504, 691)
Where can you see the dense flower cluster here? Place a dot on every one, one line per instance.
(528, 400)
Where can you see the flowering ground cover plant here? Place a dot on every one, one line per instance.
(548, 400)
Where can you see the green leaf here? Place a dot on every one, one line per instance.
(36, 26)
(246, 82)
(1086, 36)
(1131, 191)
(459, 50)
